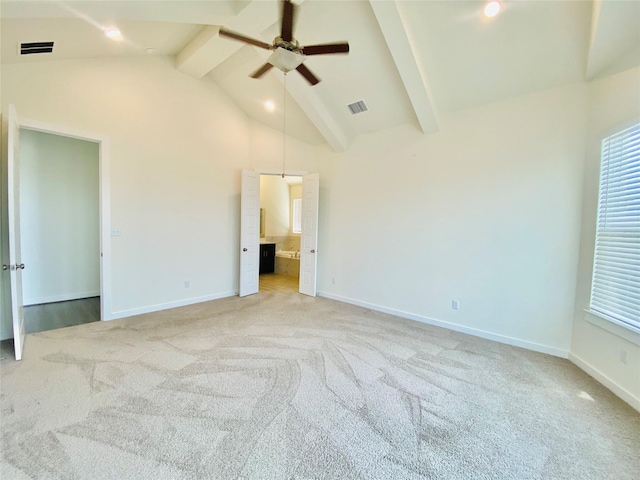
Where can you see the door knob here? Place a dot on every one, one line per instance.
(5, 267)
(244, 249)
(21, 266)
(313, 251)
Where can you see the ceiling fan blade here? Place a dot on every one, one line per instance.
(242, 38)
(288, 11)
(306, 73)
(326, 48)
(262, 70)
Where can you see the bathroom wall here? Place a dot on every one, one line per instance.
(274, 200)
(277, 201)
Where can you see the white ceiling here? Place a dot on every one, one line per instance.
(409, 61)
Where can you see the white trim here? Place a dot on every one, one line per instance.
(619, 391)
(103, 142)
(516, 342)
(60, 298)
(618, 328)
(287, 173)
(612, 131)
(166, 306)
(606, 161)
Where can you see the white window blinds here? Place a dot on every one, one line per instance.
(615, 291)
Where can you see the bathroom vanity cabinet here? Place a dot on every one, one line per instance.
(267, 257)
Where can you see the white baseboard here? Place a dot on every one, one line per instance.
(59, 298)
(536, 347)
(621, 392)
(165, 306)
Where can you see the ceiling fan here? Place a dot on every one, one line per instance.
(287, 53)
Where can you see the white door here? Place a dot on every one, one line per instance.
(249, 233)
(13, 206)
(309, 236)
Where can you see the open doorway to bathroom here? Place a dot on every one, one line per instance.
(280, 228)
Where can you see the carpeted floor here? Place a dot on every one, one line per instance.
(279, 385)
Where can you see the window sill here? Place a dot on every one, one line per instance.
(611, 325)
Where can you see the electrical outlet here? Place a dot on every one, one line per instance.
(455, 304)
(333, 280)
(115, 232)
(187, 283)
(623, 356)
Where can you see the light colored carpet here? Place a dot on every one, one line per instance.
(280, 385)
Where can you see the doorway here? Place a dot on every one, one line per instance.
(280, 229)
(304, 247)
(60, 230)
(14, 263)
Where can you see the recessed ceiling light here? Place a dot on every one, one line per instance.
(269, 105)
(149, 50)
(491, 9)
(112, 32)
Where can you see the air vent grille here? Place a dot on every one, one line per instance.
(36, 47)
(357, 107)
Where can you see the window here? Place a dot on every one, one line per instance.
(297, 216)
(615, 291)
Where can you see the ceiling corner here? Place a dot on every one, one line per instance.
(615, 31)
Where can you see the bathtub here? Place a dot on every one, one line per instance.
(287, 254)
(288, 263)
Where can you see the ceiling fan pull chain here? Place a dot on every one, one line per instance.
(284, 122)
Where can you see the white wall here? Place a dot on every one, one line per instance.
(6, 329)
(177, 149)
(59, 217)
(274, 199)
(614, 103)
(487, 211)
(266, 153)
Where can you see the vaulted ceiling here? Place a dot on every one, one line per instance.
(410, 61)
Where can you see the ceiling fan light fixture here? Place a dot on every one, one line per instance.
(112, 33)
(286, 60)
(492, 8)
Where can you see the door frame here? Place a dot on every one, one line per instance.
(104, 209)
(289, 173)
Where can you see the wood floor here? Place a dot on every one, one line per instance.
(48, 316)
(274, 282)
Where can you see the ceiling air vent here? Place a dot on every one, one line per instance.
(36, 47)
(357, 107)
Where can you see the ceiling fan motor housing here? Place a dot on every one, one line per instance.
(292, 46)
